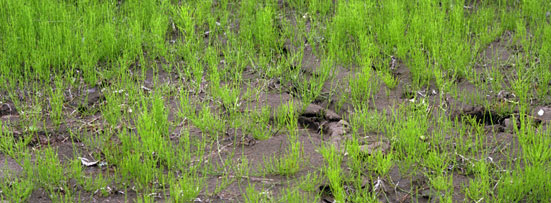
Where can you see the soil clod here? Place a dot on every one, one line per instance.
(369, 149)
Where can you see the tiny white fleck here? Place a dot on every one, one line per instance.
(540, 112)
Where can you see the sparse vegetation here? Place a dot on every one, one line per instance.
(275, 101)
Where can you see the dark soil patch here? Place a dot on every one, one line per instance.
(483, 115)
(7, 109)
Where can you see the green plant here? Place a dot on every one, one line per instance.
(287, 117)
(56, 102)
(15, 188)
(49, 171)
(380, 163)
(265, 34)
(409, 136)
(437, 162)
(333, 171)
(442, 183)
(310, 182)
(287, 164)
(98, 184)
(479, 188)
(254, 196)
(389, 80)
(362, 86)
(208, 122)
(366, 120)
(186, 187)
(259, 126)
(153, 128)
(293, 194)
(230, 99)
(112, 110)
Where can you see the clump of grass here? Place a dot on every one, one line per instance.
(265, 34)
(479, 188)
(112, 112)
(363, 86)
(409, 135)
(56, 102)
(333, 171)
(15, 188)
(389, 80)
(49, 171)
(345, 30)
(288, 163)
(186, 187)
(208, 122)
(253, 195)
(260, 127)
